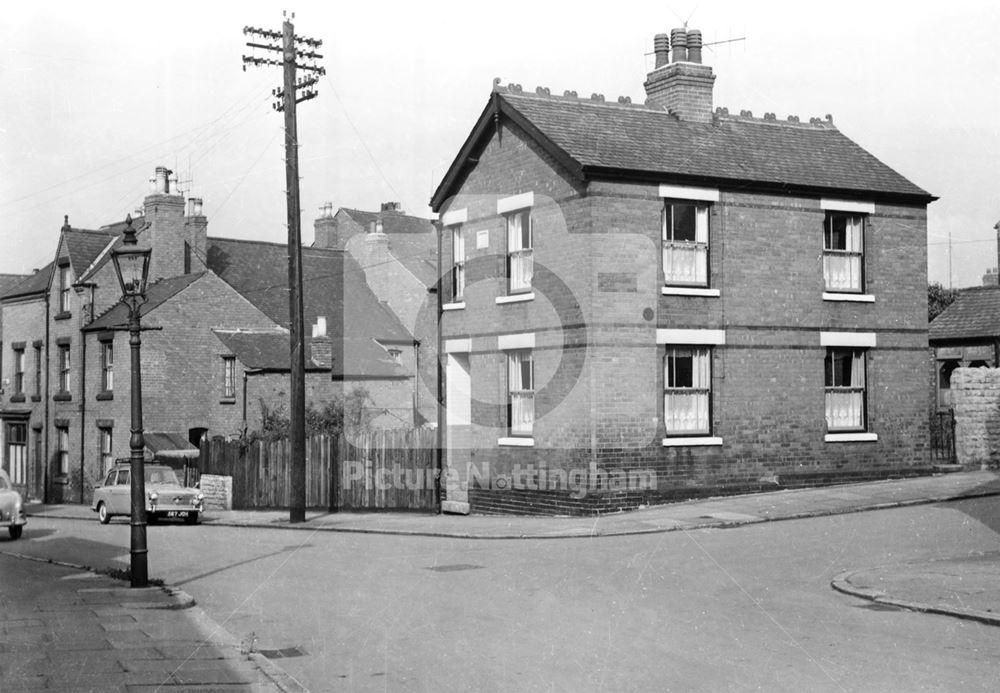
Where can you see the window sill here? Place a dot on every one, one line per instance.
(704, 441)
(859, 437)
(64, 315)
(62, 397)
(852, 298)
(516, 442)
(685, 291)
(105, 396)
(460, 305)
(227, 400)
(36, 398)
(17, 398)
(516, 298)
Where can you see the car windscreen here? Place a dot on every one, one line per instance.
(160, 475)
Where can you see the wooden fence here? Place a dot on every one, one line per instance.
(382, 470)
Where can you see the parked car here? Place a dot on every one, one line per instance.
(165, 496)
(11, 507)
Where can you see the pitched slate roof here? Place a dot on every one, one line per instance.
(264, 350)
(412, 240)
(9, 281)
(85, 246)
(268, 351)
(36, 283)
(974, 314)
(156, 293)
(593, 139)
(331, 278)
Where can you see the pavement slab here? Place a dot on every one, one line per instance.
(63, 632)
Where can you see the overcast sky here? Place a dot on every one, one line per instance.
(96, 95)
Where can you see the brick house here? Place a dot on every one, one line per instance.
(660, 301)
(218, 309)
(398, 254)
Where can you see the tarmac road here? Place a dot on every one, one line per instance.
(736, 609)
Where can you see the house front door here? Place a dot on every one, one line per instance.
(15, 454)
(458, 418)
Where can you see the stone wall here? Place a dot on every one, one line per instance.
(976, 401)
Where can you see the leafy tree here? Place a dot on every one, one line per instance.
(939, 298)
(353, 413)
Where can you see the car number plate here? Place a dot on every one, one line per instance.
(177, 513)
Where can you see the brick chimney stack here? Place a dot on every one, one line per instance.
(196, 241)
(325, 229)
(684, 86)
(164, 214)
(321, 346)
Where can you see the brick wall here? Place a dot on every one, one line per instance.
(599, 382)
(976, 401)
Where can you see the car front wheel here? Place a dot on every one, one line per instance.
(15, 531)
(102, 514)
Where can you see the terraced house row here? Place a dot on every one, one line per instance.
(215, 356)
(704, 301)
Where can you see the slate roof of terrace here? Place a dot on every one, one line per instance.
(596, 139)
(974, 314)
(333, 286)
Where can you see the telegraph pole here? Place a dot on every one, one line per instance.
(293, 49)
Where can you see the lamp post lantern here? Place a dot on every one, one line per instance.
(132, 268)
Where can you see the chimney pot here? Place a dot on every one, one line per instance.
(194, 207)
(694, 46)
(392, 207)
(661, 49)
(678, 39)
(161, 182)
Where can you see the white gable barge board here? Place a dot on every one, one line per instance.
(847, 206)
(684, 192)
(515, 202)
(847, 339)
(668, 336)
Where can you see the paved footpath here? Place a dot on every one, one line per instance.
(66, 629)
(63, 629)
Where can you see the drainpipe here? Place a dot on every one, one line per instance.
(416, 381)
(87, 318)
(47, 428)
(247, 372)
(439, 456)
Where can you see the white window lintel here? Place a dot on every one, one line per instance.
(516, 442)
(684, 192)
(457, 305)
(515, 202)
(847, 339)
(455, 216)
(524, 340)
(672, 336)
(461, 345)
(832, 205)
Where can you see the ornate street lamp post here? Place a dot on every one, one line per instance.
(132, 268)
